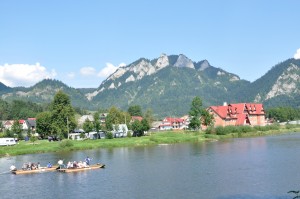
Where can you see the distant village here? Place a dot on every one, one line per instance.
(240, 114)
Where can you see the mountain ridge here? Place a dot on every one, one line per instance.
(167, 85)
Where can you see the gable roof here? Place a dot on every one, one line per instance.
(234, 110)
(172, 120)
(139, 118)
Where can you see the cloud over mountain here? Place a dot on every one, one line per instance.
(297, 54)
(109, 69)
(24, 74)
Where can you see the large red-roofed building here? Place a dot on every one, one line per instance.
(238, 114)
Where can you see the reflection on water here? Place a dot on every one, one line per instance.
(254, 168)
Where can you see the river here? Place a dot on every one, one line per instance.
(250, 168)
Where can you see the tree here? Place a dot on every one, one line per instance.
(207, 118)
(63, 115)
(149, 116)
(97, 125)
(88, 126)
(145, 125)
(16, 128)
(115, 116)
(199, 115)
(135, 110)
(1, 126)
(140, 127)
(43, 124)
(137, 128)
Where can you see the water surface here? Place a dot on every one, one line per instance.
(251, 168)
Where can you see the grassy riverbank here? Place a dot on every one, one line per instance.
(43, 146)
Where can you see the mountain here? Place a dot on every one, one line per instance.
(44, 91)
(279, 86)
(4, 88)
(168, 84)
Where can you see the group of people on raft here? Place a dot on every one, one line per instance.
(75, 164)
(70, 165)
(30, 166)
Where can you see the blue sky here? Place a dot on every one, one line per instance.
(82, 42)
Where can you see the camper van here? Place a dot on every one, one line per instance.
(7, 141)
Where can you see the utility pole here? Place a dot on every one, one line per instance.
(68, 126)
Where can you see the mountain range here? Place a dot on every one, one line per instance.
(168, 84)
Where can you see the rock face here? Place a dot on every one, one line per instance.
(204, 65)
(141, 68)
(287, 83)
(162, 62)
(183, 61)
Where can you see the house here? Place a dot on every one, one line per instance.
(102, 118)
(8, 124)
(120, 130)
(133, 118)
(172, 123)
(24, 125)
(96, 135)
(238, 114)
(31, 123)
(83, 118)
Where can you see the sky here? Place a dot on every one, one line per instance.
(82, 42)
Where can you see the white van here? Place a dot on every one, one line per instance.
(7, 141)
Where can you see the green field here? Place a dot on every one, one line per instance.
(171, 137)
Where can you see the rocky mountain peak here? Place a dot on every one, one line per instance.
(204, 65)
(183, 61)
(162, 61)
(287, 83)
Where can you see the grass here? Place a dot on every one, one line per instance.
(171, 137)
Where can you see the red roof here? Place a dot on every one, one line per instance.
(21, 121)
(238, 111)
(139, 118)
(172, 120)
(232, 110)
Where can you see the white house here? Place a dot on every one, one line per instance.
(120, 130)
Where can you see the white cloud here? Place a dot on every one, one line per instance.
(297, 54)
(24, 74)
(109, 69)
(87, 71)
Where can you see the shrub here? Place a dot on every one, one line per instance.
(109, 135)
(246, 129)
(210, 130)
(66, 143)
(220, 130)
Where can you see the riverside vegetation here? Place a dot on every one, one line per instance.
(168, 137)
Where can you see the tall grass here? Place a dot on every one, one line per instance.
(169, 137)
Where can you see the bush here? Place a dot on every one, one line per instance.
(246, 129)
(210, 130)
(109, 135)
(220, 130)
(66, 143)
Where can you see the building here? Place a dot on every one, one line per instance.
(172, 123)
(119, 130)
(133, 118)
(238, 114)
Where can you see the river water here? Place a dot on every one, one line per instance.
(250, 168)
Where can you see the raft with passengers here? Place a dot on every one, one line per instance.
(78, 166)
(31, 167)
(73, 166)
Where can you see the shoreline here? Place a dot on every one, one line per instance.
(169, 137)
